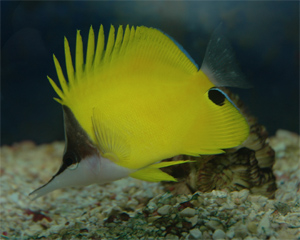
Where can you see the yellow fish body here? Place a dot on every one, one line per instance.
(137, 101)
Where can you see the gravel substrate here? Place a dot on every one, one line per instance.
(133, 209)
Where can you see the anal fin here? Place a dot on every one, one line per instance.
(153, 173)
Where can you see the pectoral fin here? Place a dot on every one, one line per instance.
(112, 142)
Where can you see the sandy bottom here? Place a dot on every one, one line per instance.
(133, 209)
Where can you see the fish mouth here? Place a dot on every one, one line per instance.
(42, 190)
(46, 188)
(84, 173)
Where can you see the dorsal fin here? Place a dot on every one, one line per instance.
(182, 49)
(220, 64)
(143, 43)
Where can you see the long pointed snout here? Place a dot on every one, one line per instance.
(92, 169)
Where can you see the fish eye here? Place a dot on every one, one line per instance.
(216, 96)
(70, 160)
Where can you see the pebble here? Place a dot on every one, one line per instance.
(252, 215)
(240, 231)
(153, 218)
(172, 237)
(14, 197)
(219, 234)
(192, 220)
(33, 229)
(206, 235)
(181, 198)
(283, 208)
(164, 210)
(148, 193)
(228, 206)
(132, 203)
(188, 212)
(252, 227)
(213, 224)
(230, 233)
(251, 238)
(240, 197)
(195, 233)
(280, 147)
(219, 194)
(152, 206)
(274, 238)
(260, 200)
(203, 228)
(57, 228)
(264, 224)
(179, 225)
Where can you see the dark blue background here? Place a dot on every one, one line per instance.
(264, 35)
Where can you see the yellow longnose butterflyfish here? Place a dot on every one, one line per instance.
(139, 99)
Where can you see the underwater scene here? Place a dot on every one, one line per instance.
(150, 120)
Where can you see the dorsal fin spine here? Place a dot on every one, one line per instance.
(125, 40)
(56, 88)
(90, 51)
(132, 33)
(60, 75)
(118, 42)
(79, 57)
(110, 43)
(99, 48)
(69, 64)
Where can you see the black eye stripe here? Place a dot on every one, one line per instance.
(69, 159)
(216, 97)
